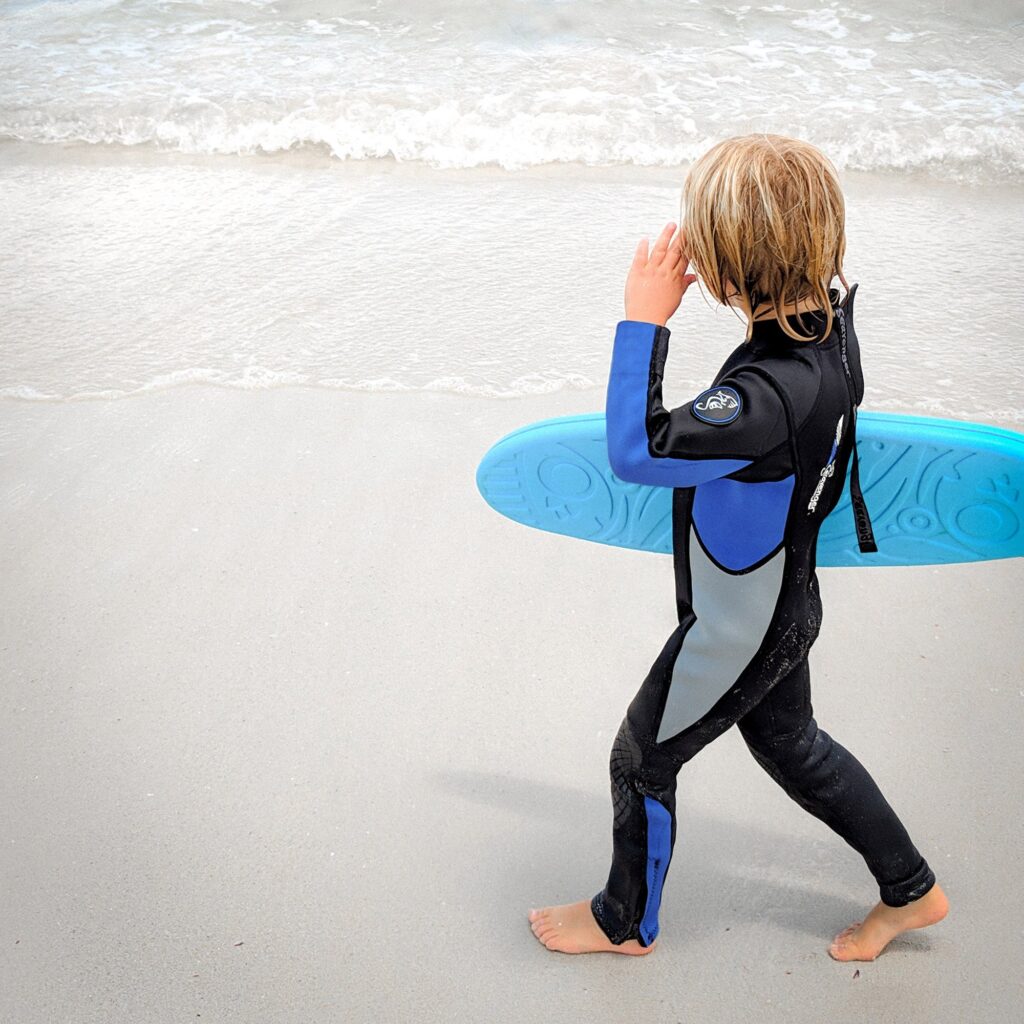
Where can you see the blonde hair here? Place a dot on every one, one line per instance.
(764, 216)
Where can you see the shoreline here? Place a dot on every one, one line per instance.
(132, 274)
(317, 158)
(574, 396)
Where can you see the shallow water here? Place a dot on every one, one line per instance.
(127, 273)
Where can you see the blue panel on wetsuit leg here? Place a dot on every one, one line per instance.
(740, 523)
(659, 848)
(626, 418)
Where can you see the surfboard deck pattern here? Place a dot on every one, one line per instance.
(938, 491)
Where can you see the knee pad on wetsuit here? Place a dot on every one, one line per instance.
(640, 768)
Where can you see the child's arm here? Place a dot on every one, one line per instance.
(720, 431)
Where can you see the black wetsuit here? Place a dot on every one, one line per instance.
(757, 461)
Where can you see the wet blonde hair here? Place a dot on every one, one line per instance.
(765, 222)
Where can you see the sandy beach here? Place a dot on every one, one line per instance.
(297, 729)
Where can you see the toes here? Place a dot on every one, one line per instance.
(839, 945)
(838, 951)
(561, 943)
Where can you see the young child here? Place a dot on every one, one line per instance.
(757, 461)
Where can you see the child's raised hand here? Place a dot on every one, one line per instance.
(656, 283)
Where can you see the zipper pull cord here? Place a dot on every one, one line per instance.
(861, 519)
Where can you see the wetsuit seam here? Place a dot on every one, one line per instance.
(778, 415)
(803, 422)
(747, 568)
(660, 334)
(777, 738)
(817, 399)
(686, 625)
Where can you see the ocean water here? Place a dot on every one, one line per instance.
(890, 86)
(446, 195)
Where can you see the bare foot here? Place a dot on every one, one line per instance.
(571, 928)
(864, 940)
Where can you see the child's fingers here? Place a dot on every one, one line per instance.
(675, 256)
(640, 255)
(661, 245)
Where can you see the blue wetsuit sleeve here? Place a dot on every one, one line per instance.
(718, 432)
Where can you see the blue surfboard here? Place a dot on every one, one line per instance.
(938, 491)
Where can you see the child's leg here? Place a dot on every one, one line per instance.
(818, 773)
(643, 774)
(824, 778)
(623, 917)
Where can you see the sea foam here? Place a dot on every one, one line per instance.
(893, 90)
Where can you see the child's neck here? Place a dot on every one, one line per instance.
(805, 305)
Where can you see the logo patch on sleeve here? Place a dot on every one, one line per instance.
(717, 405)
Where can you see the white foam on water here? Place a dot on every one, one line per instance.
(265, 379)
(519, 83)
